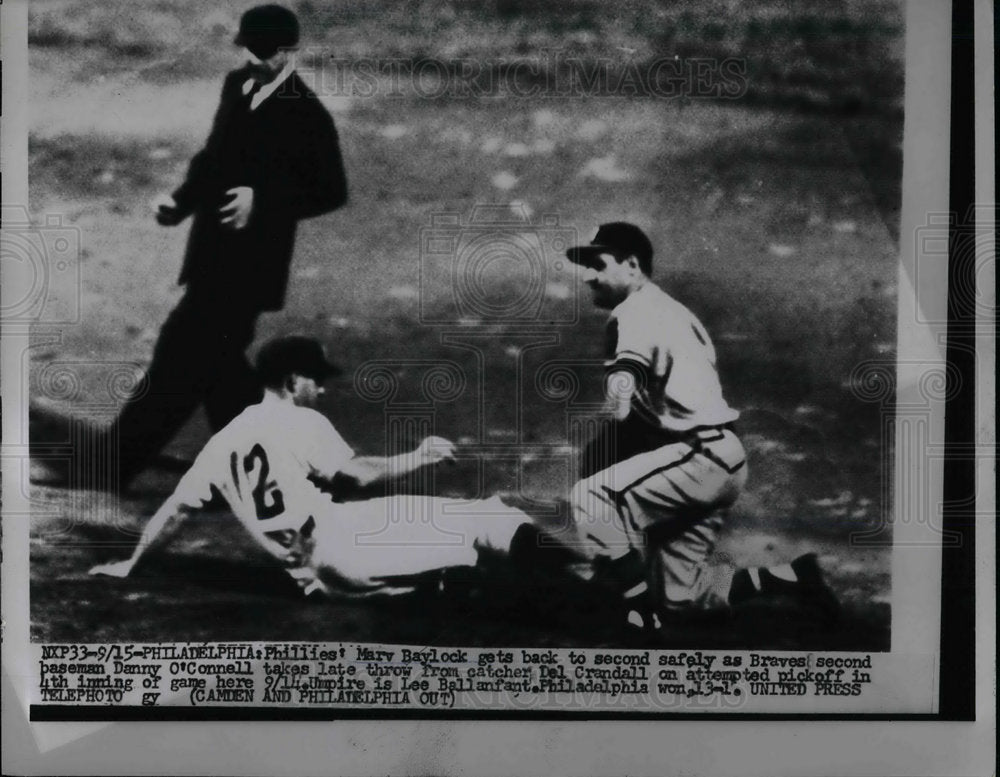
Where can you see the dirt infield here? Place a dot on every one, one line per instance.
(775, 218)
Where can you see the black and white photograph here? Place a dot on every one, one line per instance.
(517, 359)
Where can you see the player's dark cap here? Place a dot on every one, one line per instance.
(618, 238)
(294, 355)
(266, 28)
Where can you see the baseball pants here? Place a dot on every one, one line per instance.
(373, 546)
(199, 358)
(664, 504)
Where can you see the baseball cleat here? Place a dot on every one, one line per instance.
(809, 588)
(812, 588)
(640, 625)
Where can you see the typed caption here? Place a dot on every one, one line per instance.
(341, 675)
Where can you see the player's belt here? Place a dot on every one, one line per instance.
(704, 435)
(698, 440)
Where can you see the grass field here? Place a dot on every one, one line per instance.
(775, 218)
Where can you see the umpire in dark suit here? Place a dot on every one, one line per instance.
(271, 159)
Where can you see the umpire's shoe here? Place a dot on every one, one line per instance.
(809, 588)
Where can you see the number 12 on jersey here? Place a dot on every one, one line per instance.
(267, 498)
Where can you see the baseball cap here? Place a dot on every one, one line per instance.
(617, 237)
(266, 28)
(294, 354)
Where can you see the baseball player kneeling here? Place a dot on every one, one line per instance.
(658, 480)
(266, 464)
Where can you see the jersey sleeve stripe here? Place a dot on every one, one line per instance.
(627, 355)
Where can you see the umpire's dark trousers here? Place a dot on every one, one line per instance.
(200, 358)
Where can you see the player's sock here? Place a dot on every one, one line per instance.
(625, 574)
(621, 588)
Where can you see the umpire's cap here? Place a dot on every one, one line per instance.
(294, 355)
(618, 237)
(266, 28)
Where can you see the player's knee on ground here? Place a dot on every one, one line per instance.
(681, 550)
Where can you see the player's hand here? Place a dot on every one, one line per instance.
(114, 569)
(236, 212)
(166, 211)
(434, 450)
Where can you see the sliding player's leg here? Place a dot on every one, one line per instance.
(372, 546)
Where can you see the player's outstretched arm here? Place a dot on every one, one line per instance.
(364, 471)
(158, 531)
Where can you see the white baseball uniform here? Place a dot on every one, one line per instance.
(670, 494)
(261, 463)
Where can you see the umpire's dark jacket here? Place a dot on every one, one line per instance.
(287, 152)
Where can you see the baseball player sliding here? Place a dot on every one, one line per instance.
(266, 464)
(650, 505)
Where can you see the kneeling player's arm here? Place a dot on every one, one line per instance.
(620, 384)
